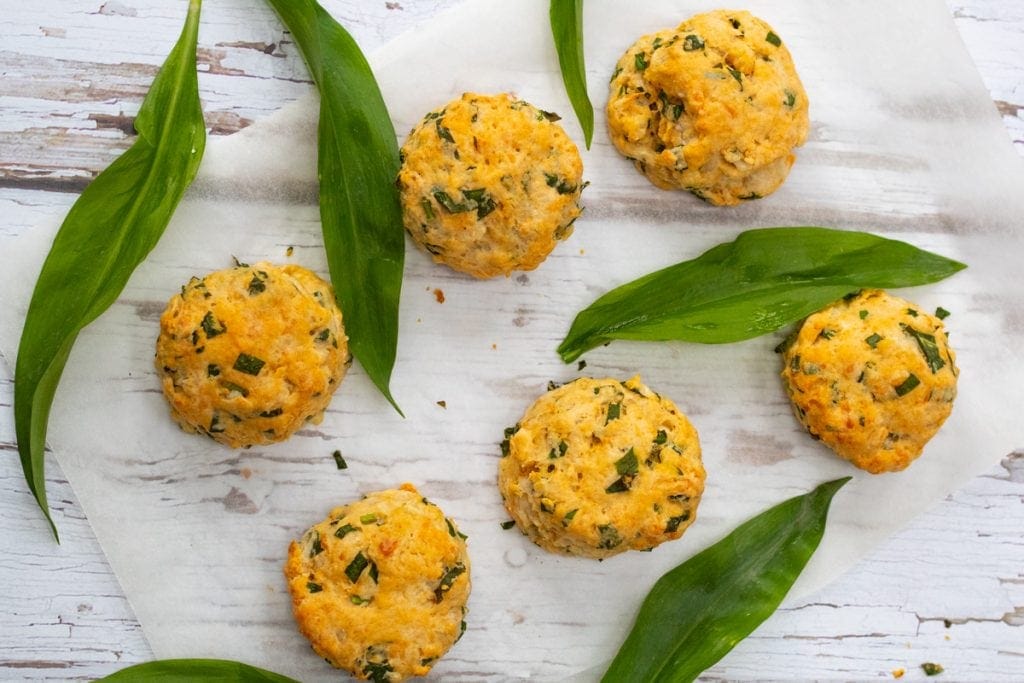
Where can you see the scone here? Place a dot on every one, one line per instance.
(489, 184)
(873, 377)
(380, 587)
(599, 466)
(250, 354)
(713, 106)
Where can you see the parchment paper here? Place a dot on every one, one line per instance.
(904, 142)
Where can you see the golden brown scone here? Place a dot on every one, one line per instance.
(249, 354)
(713, 106)
(599, 466)
(380, 587)
(489, 184)
(873, 377)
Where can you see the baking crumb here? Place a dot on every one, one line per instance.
(947, 637)
(419, 320)
(439, 295)
(245, 472)
(582, 364)
(443, 404)
(508, 525)
(289, 251)
(494, 347)
(898, 673)
(339, 461)
(947, 623)
(582, 252)
(932, 669)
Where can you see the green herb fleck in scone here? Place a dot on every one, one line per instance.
(489, 184)
(872, 376)
(599, 466)
(380, 587)
(250, 354)
(713, 106)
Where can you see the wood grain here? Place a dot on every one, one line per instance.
(67, 110)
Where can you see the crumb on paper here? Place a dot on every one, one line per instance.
(494, 347)
(898, 673)
(245, 472)
(582, 252)
(393, 5)
(339, 461)
(579, 366)
(932, 669)
(947, 623)
(289, 251)
(439, 295)
(443, 404)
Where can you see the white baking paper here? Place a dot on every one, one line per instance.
(904, 142)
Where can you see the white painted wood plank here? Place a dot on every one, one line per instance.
(885, 614)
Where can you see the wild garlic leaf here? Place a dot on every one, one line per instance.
(566, 18)
(188, 670)
(108, 231)
(764, 279)
(359, 204)
(697, 612)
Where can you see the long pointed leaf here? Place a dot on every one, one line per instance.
(108, 231)
(738, 290)
(189, 670)
(566, 18)
(698, 611)
(359, 203)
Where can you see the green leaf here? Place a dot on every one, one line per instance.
(738, 290)
(698, 611)
(567, 29)
(359, 204)
(186, 670)
(108, 231)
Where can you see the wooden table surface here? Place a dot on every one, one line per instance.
(948, 589)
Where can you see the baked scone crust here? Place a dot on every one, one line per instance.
(489, 184)
(598, 466)
(380, 587)
(873, 377)
(713, 106)
(249, 354)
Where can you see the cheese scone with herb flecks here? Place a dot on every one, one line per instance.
(380, 587)
(598, 466)
(250, 354)
(873, 377)
(489, 184)
(713, 106)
